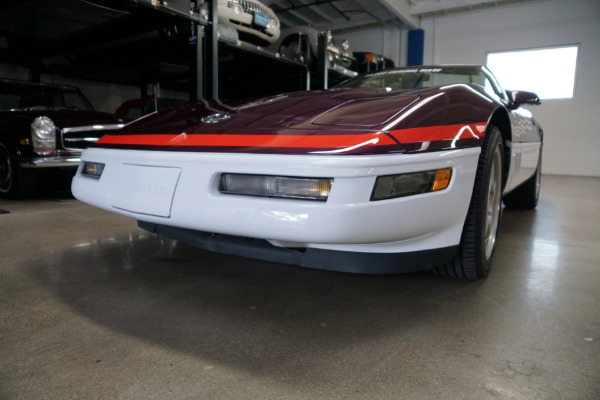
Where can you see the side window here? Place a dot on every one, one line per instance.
(135, 111)
(72, 99)
(8, 101)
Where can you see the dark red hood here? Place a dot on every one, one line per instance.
(339, 121)
(343, 109)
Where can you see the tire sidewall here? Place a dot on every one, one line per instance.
(483, 262)
(7, 160)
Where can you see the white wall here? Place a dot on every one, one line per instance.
(387, 40)
(572, 137)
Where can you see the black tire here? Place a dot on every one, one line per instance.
(14, 181)
(478, 241)
(527, 194)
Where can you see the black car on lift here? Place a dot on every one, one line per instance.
(43, 129)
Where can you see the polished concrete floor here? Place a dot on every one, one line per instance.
(91, 307)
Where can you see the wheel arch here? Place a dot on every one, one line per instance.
(501, 119)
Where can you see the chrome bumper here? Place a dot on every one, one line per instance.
(52, 162)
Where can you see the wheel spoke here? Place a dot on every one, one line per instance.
(493, 202)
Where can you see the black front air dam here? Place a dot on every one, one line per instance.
(339, 261)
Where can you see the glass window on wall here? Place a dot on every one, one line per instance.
(550, 72)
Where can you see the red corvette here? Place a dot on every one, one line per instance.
(392, 171)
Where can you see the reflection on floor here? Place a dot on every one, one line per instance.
(93, 307)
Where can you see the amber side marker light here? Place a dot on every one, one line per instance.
(441, 179)
(410, 184)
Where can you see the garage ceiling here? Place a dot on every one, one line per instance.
(340, 15)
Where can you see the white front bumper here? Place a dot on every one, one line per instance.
(348, 221)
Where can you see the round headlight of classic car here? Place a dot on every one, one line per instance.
(235, 4)
(43, 135)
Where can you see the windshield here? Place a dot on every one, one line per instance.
(21, 96)
(421, 77)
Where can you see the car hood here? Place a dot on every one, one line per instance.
(356, 109)
(338, 121)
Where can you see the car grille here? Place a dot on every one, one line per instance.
(250, 7)
(78, 138)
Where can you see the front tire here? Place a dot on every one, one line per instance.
(478, 241)
(14, 182)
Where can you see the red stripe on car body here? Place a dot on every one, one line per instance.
(227, 140)
(445, 133)
(439, 133)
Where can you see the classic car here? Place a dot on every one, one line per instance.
(392, 171)
(44, 128)
(288, 45)
(255, 22)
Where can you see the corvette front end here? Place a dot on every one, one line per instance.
(399, 171)
(186, 192)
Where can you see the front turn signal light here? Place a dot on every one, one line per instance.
(299, 188)
(410, 184)
(92, 169)
(441, 179)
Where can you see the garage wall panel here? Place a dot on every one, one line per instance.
(571, 133)
(388, 40)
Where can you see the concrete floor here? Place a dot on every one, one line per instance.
(91, 307)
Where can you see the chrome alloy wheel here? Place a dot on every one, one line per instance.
(494, 197)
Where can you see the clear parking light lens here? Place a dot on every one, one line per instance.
(276, 186)
(92, 169)
(393, 186)
(43, 135)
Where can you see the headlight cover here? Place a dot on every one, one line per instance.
(285, 187)
(401, 185)
(43, 134)
(92, 169)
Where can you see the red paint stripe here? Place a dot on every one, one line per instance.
(224, 140)
(315, 141)
(437, 133)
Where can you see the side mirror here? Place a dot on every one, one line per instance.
(519, 97)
